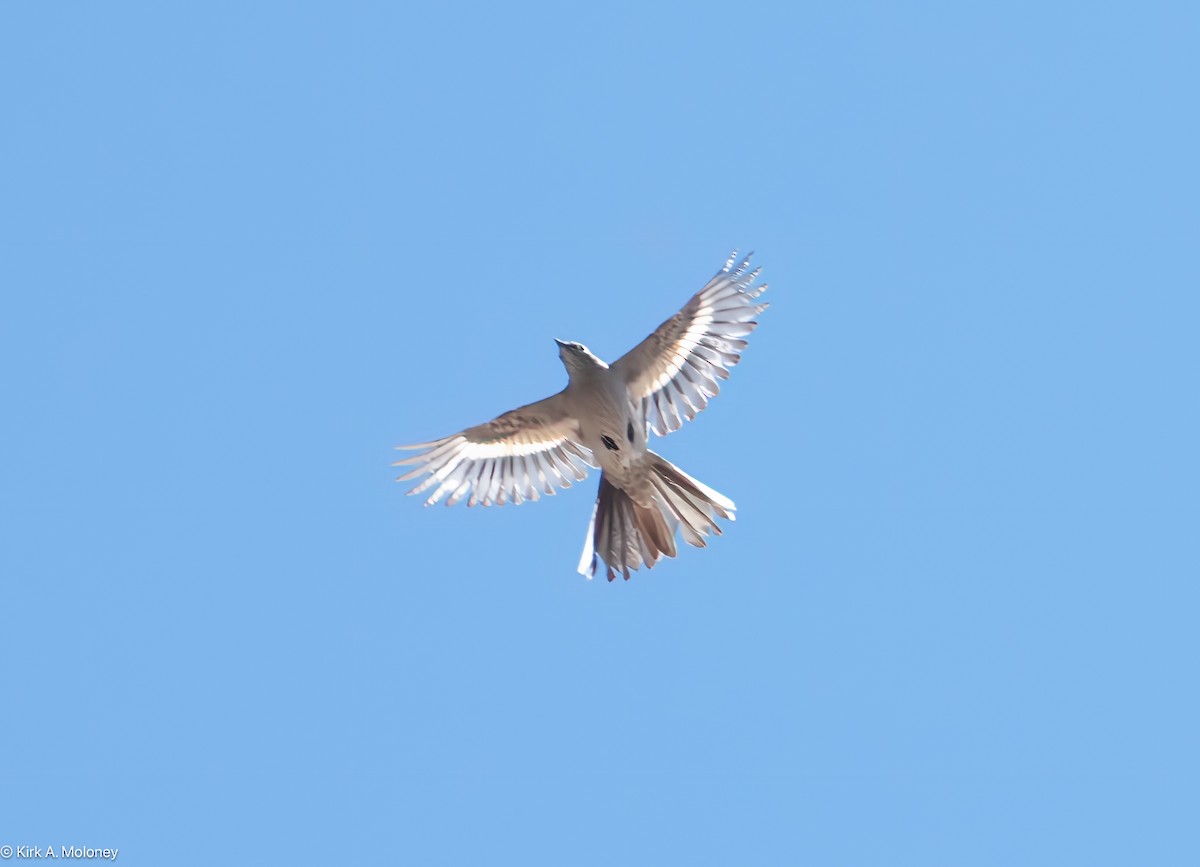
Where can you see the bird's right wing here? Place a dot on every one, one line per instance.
(673, 372)
(506, 459)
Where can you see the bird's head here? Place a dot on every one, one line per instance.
(577, 358)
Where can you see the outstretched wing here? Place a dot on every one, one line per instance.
(674, 371)
(506, 459)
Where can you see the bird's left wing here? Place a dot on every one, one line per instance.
(504, 460)
(673, 372)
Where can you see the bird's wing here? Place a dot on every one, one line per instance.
(505, 460)
(674, 371)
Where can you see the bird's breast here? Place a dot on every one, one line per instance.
(608, 427)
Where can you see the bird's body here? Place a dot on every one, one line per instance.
(603, 418)
(600, 401)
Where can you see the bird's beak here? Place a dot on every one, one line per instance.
(561, 345)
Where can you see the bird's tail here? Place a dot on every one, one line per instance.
(625, 535)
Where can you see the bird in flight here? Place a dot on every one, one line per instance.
(603, 419)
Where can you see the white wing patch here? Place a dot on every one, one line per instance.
(673, 373)
(513, 458)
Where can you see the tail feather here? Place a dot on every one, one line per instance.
(695, 506)
(625, 535)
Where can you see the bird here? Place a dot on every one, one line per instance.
(603, 419)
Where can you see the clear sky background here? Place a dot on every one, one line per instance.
(248, 248)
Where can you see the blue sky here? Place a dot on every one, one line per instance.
(248, 248)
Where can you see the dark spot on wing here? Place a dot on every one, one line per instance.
(609, 443)
(629, 431)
